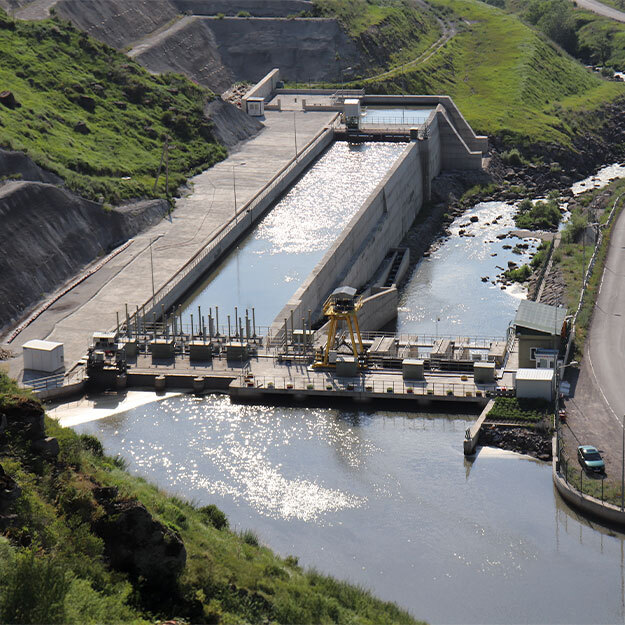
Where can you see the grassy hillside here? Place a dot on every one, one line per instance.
(56, 567)
(93, 116)
(507, 78)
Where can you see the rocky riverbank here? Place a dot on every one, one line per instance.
(520, 440)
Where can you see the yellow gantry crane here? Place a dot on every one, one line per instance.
(341, 306)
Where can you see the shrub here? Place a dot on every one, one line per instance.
(244, 14)
(518, 275)
(213, 515)
(33, 591)
(92, 444)
(512, 408)
(250, 538)
(538, 215)
(513, 158)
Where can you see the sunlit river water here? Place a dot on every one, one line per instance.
(268, 265)
(387, 501)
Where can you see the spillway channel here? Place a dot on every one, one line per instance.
(267, 267)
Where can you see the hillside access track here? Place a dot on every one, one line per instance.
(601, 9)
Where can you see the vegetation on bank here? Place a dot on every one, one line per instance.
(574, 254)
(589, 37)
(507, 79)
(524, 411)
(55, 566)
(538, 215)
(95, 117)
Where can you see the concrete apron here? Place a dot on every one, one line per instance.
(171, 244)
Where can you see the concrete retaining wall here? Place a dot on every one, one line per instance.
(455, 153)
(62, 392)
(380, 224)
(584, 503)
(378, 310)
(265, 87)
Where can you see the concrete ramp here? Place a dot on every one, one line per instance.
(472, 435)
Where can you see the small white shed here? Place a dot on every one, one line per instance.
(45, 356)
(535, 384)
(255, 106)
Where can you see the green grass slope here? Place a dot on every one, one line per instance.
(61, 77)
(506, 78)
(53, 565)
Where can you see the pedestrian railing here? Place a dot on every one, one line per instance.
(43, 384)
(360, 385)
(589, 485)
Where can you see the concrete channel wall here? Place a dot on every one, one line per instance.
(454, 151)
(380, 224)
(248, 215)
(474, 142)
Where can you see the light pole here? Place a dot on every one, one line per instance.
(295, 131)
(234, 188)
(347, 69)
(623, 468)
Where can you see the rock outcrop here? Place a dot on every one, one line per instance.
(25, 416)
(18, 166)
(49, 234)
(9, 492)
(230, 124)
(136, 543)
(520, 440)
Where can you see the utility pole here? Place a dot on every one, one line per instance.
(234, 188)
(164, 154)
(152, 267)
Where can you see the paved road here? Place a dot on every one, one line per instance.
(601, 9)
(598, 406)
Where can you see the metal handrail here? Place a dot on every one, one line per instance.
(40, 384)
(382, 387)
(394, 121)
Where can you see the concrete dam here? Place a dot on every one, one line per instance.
(364, 196)
(354, 214)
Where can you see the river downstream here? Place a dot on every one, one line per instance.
(387, 501)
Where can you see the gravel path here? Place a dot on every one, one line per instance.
(601, 9)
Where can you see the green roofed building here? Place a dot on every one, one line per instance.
(538, 327)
